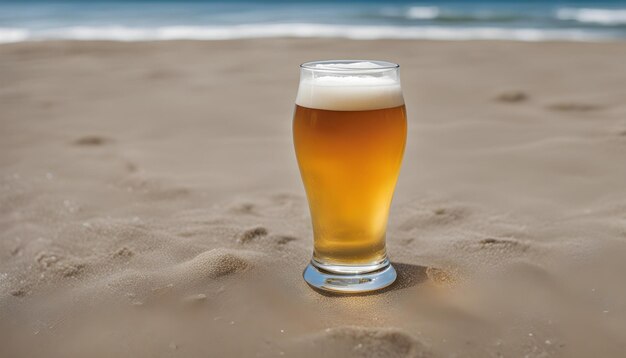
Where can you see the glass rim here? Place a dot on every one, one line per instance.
(380, 66)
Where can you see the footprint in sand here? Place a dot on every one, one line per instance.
(123, 252)
(425, 217)
(20, 292)
(251, 235)
(282, 239)
(512, 97)
(260, 233)
(59, 265)
(72, 269)
(91, 141)
(493, 245)
(364, 342)
(574, 107)
(492, 242)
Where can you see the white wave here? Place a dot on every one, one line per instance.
(122, 33)
(422, 12)
(598, 16)
(13, 35)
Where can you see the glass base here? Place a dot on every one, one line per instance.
(349, 279)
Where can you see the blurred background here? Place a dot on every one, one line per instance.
(213, 20)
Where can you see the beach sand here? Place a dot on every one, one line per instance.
(151, 205)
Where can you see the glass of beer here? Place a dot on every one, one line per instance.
(349, 132)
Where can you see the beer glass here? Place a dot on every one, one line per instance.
(349, 131)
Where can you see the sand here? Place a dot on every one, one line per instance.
(151, 206)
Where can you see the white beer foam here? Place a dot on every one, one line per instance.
(355, 92)
(365, 65)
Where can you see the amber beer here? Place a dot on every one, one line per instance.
(349, 133)
(349, 162)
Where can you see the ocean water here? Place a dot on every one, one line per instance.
(37, 20)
